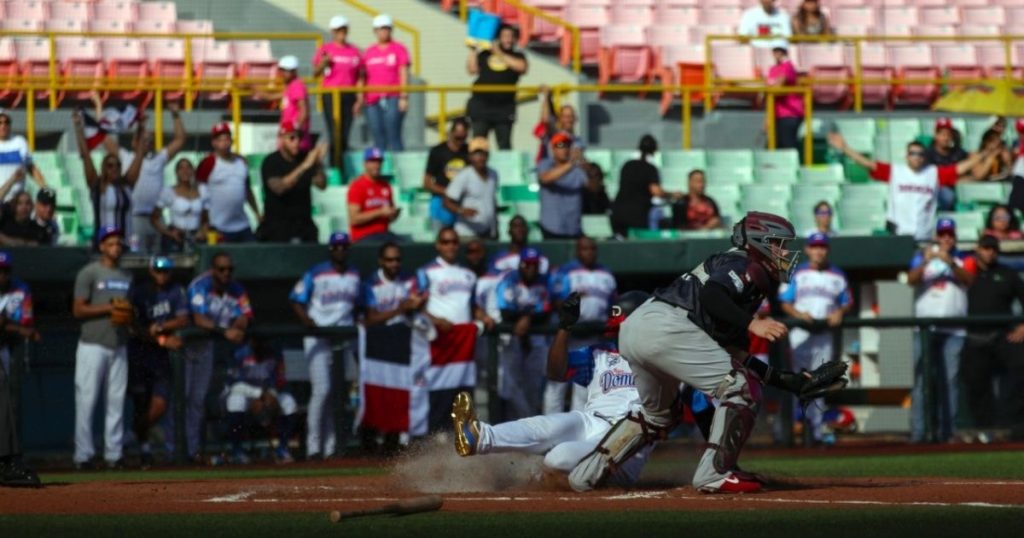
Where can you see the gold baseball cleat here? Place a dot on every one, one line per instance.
(467, 429)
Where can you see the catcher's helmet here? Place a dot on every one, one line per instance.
(764, 237)
(623, 307)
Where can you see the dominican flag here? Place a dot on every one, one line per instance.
(407, 383)
(113, 121)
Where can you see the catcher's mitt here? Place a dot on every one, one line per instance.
(827, 378)
(123, 314)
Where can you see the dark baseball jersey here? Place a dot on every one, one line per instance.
(153, 305)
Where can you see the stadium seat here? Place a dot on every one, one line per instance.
(858, 218)
(22, 25)
(731, 157)
(776, 175)
(682, 65)
(856, 15)
(34, 56)
(936, 16)
(766, 199)
(332, 201)
(721, 15)
(167, 63)
(826, 61)
(735, 62)
(255, 61)
(126, 59)
(9, 79)
(198, 26)
(829, 173)
(958, 60)
(117, 10)
(987, 15)
(215, 69)
(65, 25)
(597, 226)
(33, 10)
(601, 157)
(408, 167)
(684, 158)
(589, 19)
(992, 57)
(538, 29)
(898, 16)
(510, 165)
(875, 64)
(870, 193)
(145, 26)
(858, 132)
(983, 192)
(681, 15)
(779, 159)
(112, 26)
(633, 14)
(625, 56)
(729, 174)
(81, 63)
(697, 33)
(675, 178)
(914, 61)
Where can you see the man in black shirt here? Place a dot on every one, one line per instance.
(17, 227)
(43, 215)
(499, 65)
(987, 349)
(694, 331)
(288, 175)
(443, 162)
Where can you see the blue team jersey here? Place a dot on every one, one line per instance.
(224, 308)
(514, 295)
(596, 287)
(383, 295)
(330, 296)
(506, 260)
(16, 303)
(153, 305)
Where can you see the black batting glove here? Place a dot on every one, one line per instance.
(569, 312)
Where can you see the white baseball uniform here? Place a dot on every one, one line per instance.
(565, 438)
(506, 260)
(818, 292)
(449, 288)
(330, 297)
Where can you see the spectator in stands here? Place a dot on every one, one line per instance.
(789, 107)
(998, 164)
(444, 161)
(1016, 200)
(44, 213)
(226, 176)
(946, 149)
(913, 186)
(17, 227)
(109, 189)
(1003, 224)
(763, 21)
(473, 194)
(476, 257)
(823, 214)
(639, 183)
(341, 65)
(508, 259)
(386, 63)
(189, 205)
(16, 298)
(447, 285)
(551, 123)
(295, 101)
(15, 160)
(371, 208)
(561, 187)
(940, 281)
(696, 210)
(390, 295)
(595, 196)
(810, 19)
(499, 64)
(289, 174)
(989, 349)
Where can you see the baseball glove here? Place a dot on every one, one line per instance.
(569, 311)
(825, 379)
(122, 314)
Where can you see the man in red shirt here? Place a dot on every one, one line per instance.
(371, 209)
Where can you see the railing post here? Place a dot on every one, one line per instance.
(53, 71)
(463, 11)
(708, 73)
(338, 116)
(158, 122)
(309, 11)
(178, 359)
(442, 116)
(577, 63)
(30, 119)
(928, 395)
(236, 118)
(1008, 53)
(769, 129)
(858, 78)
(808, 127)
(189, 75)
(687, 120)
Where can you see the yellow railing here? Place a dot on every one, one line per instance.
(857, 81)
(572, 29)
(411, 30)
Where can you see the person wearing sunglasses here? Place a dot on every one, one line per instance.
(371, 205)
(288, 175)
(823, 214)
(220, 306)
(328, 295)
(562, 179)
(15, 160)
(226, 176)
(913, 187)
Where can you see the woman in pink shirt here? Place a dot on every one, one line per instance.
(789, 107)
(386, 63)
(340, 63)
(294, 99)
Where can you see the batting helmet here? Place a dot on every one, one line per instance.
(627, 303)
(764, 237)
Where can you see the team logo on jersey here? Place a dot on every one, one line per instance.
(736, 281)
(616, 378)
(113, 285)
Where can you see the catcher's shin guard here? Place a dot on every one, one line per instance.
(627, 437)
(738, 423)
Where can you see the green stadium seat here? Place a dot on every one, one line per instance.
(511, 167)
(981, 192)
(529, 210)
(860, 218)
(409, 167)
(67, 196)
(597, 226)
(827, 173)
(719, 158)
(602, 158)
(905, 129)
(856, 126)
(764, 191)
(780, 159)
(332, 201)
(641, 233)
(724, 191)
(687, 159)
(969, 224)
(519, 193)
(675, 178)
(68, 223)
(776, 175)
(324, 228)
(874, 192)
(737, 175)
(830, 192)
(777, 206)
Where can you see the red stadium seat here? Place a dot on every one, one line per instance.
(538, 29)
(959, 61)
(826, 61)
(215, 69)
(81, 63)
(33, 10)
(625, 55)
(158, 11)
(9, 74)
(34, 57)
(126, 59)
(118, 10)
(914, 61)
(167, 63)
(589, 19)
(875, 64)
(255, 61)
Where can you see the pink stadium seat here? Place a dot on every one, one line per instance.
(826, 61)
(995, 15)
(215, 69)
(958, 60)
(111, 26)
(589, 19)
(21, 25)
(126, 59)
(683, 65)
(625, 54)
(979, 30)
(81, 63)
(34, 57)
(842, 3)
(255, 61)
(167, 63)
(648, 3)
(9, 97)
(670, 14)
(875, 64)
(76, 11)
(536, 28)
(3, 10)
(924, 30)
(893, 30)
(915, 61)
(697, 33)
(856, 16)
(119, 10)
(632, 14)
(158, 11)
(721, 15)
(967, 3)
(64, 25)
(727, 3)
(144, 26)
(898, 16)
(202, 27)
(31, 10)
(735, 62)
(940, 15)
(660, 36)
(992, 58)
(851, 29)
(677, 3)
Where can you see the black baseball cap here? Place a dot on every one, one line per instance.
(47, 196)
(989, 241)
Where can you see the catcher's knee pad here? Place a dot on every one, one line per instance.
(627, 437)
(739, 421)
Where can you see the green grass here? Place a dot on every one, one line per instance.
(215, 473)
(1005, 465)
(859, 522)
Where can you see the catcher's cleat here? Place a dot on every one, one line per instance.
(467, 429)
(732, 483)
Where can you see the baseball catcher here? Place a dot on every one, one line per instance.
(694, 331)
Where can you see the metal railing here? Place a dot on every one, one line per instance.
(572, 31)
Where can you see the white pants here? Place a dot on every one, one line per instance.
(520, 375)
(96, 367)
(321, 437)
(563, 438)
(808, 355)
(240, 394)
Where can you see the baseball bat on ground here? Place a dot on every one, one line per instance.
(427, 503)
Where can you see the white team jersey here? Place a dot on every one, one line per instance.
(596, 286)
(816, 292)
(13, 155)
(449, 290)
(484, 294)
(612, 387)
(330, 297)
(226, 181)
(913, 197)
(940, 295)
(509, 261)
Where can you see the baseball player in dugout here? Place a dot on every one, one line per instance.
(694, 331)
(101, 361)
(16, 322)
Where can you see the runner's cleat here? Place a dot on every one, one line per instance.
(467, 429)
(732, 483)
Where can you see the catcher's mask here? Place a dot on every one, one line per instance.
(627, 303)
(764, 236)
